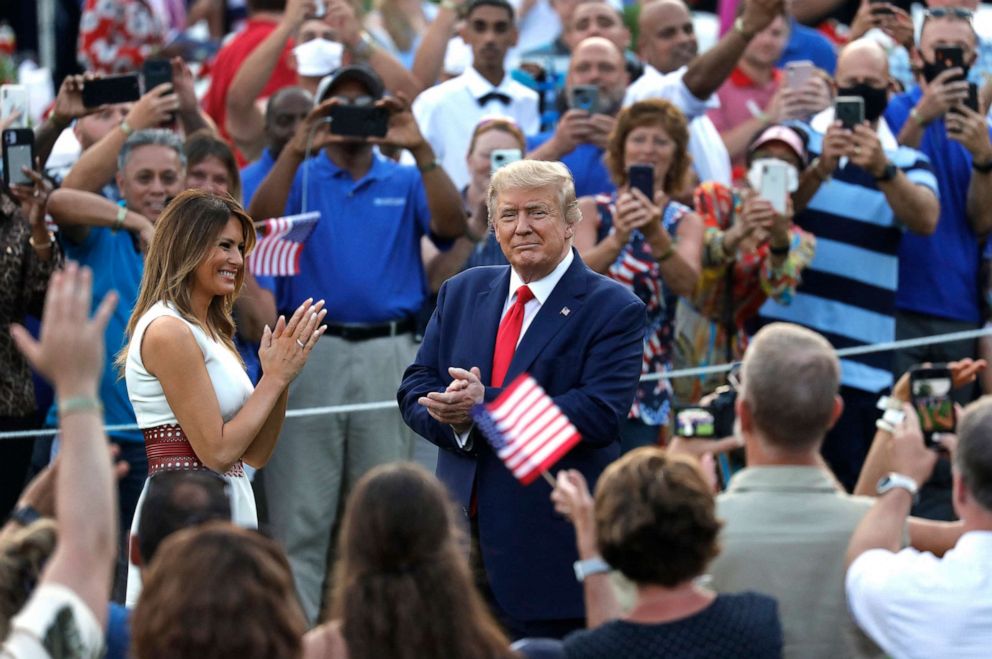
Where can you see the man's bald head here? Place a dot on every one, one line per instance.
(598, 61)
(862, 61)
(667, 38)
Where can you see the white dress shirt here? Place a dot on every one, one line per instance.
(541, 289)
(709, 154)
(914, 604)
(448, 114)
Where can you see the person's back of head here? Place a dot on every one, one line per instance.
(973, 464)
(218, 591)
(791, 380)
(402, 586)
(176, 500)
(265, 6)
(23, 556)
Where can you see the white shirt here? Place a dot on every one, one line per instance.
(709, 154)
(914, 604)
(448, 113)
(541, 289)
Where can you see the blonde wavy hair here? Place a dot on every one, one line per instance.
(22, 558)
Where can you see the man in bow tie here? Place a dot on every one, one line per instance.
(448, 113)
(579, 335)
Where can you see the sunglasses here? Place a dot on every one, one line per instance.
(950, 12)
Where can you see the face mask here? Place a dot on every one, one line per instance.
(758, 167)
(875, 99)
(318, 57)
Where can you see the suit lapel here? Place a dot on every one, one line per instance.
(489, 308)
(550, 318)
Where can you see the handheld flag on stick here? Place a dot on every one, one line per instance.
(277, 253)
(526, 429)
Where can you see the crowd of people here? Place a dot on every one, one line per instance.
(573, 190)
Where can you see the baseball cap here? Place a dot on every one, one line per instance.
(363, 75)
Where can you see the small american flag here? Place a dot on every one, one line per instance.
(526, 429)
(277, 253)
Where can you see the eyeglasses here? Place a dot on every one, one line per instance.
(952, 12)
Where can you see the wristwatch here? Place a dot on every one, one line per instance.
(25, 515)
(589, 567)
(892, 480)
(888, 173)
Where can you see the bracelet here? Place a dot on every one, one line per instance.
(739, 28)
(429, 167)
(815, 166)
(79, 404)
(982, 167)
(667, 254)
(450, 5)
(779, 251)
(915, 116)
(119, 222)
(126, 128)
(362, 50)
(51, 239)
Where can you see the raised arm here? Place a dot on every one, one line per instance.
(76, 211)
(70, 354)
(170, 353)
(429, 59)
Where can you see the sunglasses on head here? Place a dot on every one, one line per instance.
(952, 12)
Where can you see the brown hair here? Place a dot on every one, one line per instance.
(501, 124)
(402, 587)
(22, 558)
(203, 144)
(218, 591)
(973, 457)
(184, 235)
(655, 517)
(652, 112)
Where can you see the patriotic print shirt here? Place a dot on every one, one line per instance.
(637, 269)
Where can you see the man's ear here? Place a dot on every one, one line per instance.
(291, 62)
(119, 177)
(836, 412)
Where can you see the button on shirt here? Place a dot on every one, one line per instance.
(710, 158)
(448, 114)
(914, 604)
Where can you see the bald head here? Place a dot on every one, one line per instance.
(666, 39)
(862, 61)
(597, 61)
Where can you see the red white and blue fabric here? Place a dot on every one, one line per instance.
(526, 429)
(277, 253)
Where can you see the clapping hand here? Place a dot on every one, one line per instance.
(454, 405)
(284, 350)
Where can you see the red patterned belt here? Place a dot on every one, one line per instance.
(168, 449)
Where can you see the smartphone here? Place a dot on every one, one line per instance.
(695, 422)
(115, 89)
(18, 152)
(155, 72)
(641, 177)
(14, 98)
(949, 57)
(930, 392)
(850, 110)
(359, 120)
(584, 97)
(775, 184)
(503, 157)
(798, 73)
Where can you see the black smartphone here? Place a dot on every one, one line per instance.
(359, 120)
(18, 152)
(850, 110)
(156, 72)
(972, 100)
(930, 392)
(584, 97)
(949, 57)
(116, 89)
(641, 177)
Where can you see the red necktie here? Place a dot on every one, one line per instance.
(508, 336)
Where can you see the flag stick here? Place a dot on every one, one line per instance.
(549, 478)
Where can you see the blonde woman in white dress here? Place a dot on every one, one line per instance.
(187, 384)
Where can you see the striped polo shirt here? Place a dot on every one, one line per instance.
(848, 292)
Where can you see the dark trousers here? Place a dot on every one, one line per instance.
(516, 629)
(847, 443)
(128, 491)
(15, 458)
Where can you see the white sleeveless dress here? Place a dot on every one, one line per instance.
(155, 418)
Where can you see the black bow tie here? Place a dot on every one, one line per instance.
(494, 96)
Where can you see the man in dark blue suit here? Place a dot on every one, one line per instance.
(579, 335)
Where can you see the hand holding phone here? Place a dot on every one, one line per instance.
(359, 120)
(115, 89)
(798, 73)
(930, 393)
(850, 111)
(774, 186)
(641, 177)
(584, 97)
(18, 153)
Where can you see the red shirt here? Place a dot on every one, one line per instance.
(229, 59)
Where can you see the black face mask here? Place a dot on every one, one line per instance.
(875, 99)
(931, 70)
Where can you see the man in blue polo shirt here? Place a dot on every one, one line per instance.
(363, 258)
(283, 113)
(859, 194)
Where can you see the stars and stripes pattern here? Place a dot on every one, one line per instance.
(526, 429)
(277, 253)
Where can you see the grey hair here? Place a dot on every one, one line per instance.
(973, 458)
(791, 376)
(531, 174)
(149, 137)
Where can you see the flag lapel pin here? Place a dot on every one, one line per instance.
(565, 311)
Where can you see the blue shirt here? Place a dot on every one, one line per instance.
(805, 43)
(939, 273)
(117, 265)
(363, 256)
(253, 175)
(848, 292)
(586, 164)
(118, 632)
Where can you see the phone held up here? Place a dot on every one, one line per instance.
(849, 110)
(798, 73)
(359, 120)
(155, 72)
(14, 98)
(18, 152)
(502, 157)
(584, 97)
(115, 89)
(930, 393)
(641, 178)
(775, 184)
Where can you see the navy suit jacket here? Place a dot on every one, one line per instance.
(589, 360)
